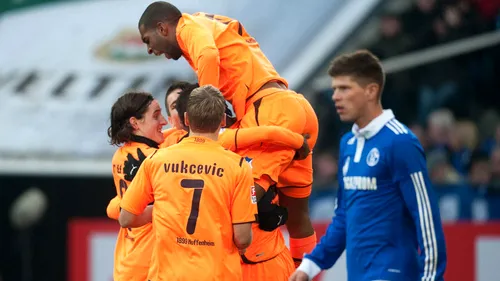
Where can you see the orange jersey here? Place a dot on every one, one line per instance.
(200, 190)
(133, 246)
(224, 55)
(172, 136)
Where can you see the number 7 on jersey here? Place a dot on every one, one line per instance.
(195, 203)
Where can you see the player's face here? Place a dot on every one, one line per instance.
(160, 42)
(151, 124)
(349, 97)
(174, 119)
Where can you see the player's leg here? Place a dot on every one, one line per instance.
(294, 187)
(283, 109)
(268, 161)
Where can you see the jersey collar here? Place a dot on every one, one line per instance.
(197, 139)
(144, 140)
(374, 126)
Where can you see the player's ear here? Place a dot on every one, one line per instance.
(161, 27)
(186, 120)
(372, 90)
(223, 122)
(134, 123)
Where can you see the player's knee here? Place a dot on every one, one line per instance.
(298, 223)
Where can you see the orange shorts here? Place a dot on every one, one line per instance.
(280, 268)
(290, 110)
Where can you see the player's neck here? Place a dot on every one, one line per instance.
(368, 116)
(213, 136)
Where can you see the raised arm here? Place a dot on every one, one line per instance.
(134, 202)
(234, 139)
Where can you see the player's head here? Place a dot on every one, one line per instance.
(357, 82)
(136, 113)
(171, 101)
(182, 102)
(157, 26)
(205, 112)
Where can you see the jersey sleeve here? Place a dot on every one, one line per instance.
(199, 43)
(113, 209)
(244, 198)
(410, 172)
(333, 243)
(234, 139)
(140, 192)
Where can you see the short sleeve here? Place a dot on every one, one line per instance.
(244, 198)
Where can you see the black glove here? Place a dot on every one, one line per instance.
(131, 165)
(271, 216)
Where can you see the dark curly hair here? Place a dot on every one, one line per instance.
(133, 104)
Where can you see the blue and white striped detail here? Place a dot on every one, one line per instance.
(396, 127)
(426, 227)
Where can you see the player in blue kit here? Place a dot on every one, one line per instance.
(387, 218)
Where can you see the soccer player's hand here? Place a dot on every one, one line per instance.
(131, 165)
(304, 151)
(271, 216)
(299, 276)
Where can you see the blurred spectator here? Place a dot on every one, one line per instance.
(489, 9)
(325, 171)
(440, 125)
(419, 132)
(393, 40)
(495, 167)
(463, 143)
(441, 171)
(419, 21)
(491, 142)
(479, 169)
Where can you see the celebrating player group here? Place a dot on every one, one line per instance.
(206, 199)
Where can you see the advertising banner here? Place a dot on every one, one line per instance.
(473, 251)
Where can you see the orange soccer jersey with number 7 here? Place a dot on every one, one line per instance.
(200, 190)
(133, 246)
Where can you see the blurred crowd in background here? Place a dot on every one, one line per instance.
(452, 105)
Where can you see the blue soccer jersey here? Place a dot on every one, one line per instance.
(387, 217)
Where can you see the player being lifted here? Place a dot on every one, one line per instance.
(204, 199)
(136, 123)
(233, 139)
(223, 54)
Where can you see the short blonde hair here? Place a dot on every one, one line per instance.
(205, 109)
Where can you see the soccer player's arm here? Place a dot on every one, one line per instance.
(200, 45)
(243, 207)
(135, 211)
(410, 172)
(113, 209)
(333, 243)
(234, 139)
